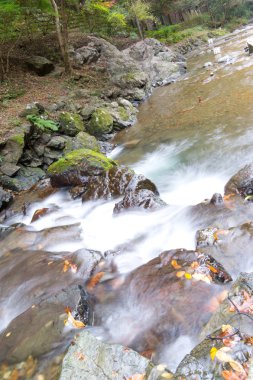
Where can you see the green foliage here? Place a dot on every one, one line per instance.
(43, 123)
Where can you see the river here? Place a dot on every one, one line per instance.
(189, 139)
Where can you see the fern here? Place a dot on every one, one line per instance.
(43, 123)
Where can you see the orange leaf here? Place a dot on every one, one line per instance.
(212, 269)
(180, 273)
(194, 265)
(175, 264)
(137, 376)
(72, 321)
(94, 280)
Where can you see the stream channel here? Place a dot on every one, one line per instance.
(189, 139)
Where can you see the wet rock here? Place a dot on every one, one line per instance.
(217, 200)
(5, 198)
(206, 237)
(226, 59)
(232, 247)
(183, 278)
(101, 122)
(37, 318)
(199, 364)
(208, 64)
(42, 212)
(102, 361)
(250, 46)
(76, 167)
(70, 123)
(240, 295)
(123, 117)
(110, 184)
(25, 179)
(40, 65)
(140, 193)
(241, 183)
(81, 141)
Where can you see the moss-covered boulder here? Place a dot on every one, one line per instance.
(82, 141)
(71, 123)
(77, 167)
(12, 150)
(101, 122)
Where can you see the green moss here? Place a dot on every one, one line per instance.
(123, 113)
(101, 122)
(76, 157)
(19, 139)
(82, 141)
(71, 123)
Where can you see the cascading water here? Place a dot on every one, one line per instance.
(190, 137)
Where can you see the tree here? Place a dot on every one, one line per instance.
(139, 11)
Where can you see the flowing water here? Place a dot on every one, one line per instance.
(190, 137)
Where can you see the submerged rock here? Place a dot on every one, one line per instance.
(185, 279)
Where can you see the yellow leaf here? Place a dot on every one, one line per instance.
(188, 276)
(167, 375)
(161, 367)
(228, 329)
(175, 264)
(222, 355)
(71, 320)
(213, 352)
(180, 273)
(236, 366)
(8, 334)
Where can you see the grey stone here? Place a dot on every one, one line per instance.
(25, 179)
(40, 65)
(9, 169)
(70, 123)
(12, 151)
(57, 142)
(80, 141)
(34, 108)
(5, 198)
(101, 361)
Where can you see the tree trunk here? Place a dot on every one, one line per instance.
(139, 28)
(62, 33)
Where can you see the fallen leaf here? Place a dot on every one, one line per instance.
(180, 273)
(175, 264)
(8, 334)
(222, 355)
(227, 197)
(194, 265)
(80, 356)
(69, 265)
(161, 367)
(202, 277)
(227, 329)
(212, 269)
(137, 376)
(72, 321)
(213, 352)
(167, 375)
(188, 276)
(94, 280)
(230, 375)
(236, 366)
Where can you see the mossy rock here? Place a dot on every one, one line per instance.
(82, 141)
(101, 122)
(13, 149)
(71, 123)
(76, 167)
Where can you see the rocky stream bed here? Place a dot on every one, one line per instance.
(126, 253)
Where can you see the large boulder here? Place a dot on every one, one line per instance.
(12, 149)
(241, 183)
(40, 65)
(101, 122)
(76, 167)
(81, 141)
(187, 281)
(71, 123)
(99, 361)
